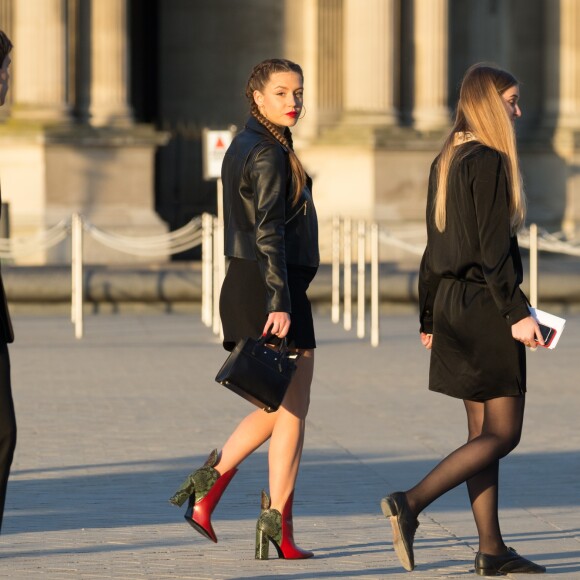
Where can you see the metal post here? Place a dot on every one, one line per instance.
(347, 257)
(361, 298)
(207, 269)
(335, 313)
(5, 220)
(220, 200)
(221, 260)
(534, 265)
(219, 256)
(73, 266)
(77, 274)
(375, 331)
(216, 270)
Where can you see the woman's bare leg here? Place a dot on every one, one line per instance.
(251, 432)
(285, 427)
(288, 434)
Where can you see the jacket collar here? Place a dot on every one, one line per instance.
(254, 125)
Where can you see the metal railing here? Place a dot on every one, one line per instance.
(349, 239)
(185, 238)
(412, 242)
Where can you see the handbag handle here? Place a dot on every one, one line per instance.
(283, 346)
(282, 349)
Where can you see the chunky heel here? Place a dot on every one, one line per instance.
(203, 488)
(277, 528)
(262, 545)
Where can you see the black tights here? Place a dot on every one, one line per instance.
(495, 428)
(7, 425)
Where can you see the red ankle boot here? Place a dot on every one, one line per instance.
(204, 489)
(277, 528)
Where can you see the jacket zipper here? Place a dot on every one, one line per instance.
(302, 207)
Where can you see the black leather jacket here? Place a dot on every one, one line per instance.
(260, 220)
(6, 332)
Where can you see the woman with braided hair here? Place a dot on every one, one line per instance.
(271, 241)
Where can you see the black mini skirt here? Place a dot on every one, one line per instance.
(243, 304)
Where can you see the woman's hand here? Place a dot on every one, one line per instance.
(427, 340)
(278, 323)
(527, 332)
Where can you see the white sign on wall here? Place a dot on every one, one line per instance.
(214, 146)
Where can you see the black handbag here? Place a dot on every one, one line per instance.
(259, 372)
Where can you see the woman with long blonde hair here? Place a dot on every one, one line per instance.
(474, 317)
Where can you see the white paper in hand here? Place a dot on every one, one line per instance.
(552, 321)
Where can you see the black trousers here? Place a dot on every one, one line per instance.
(7, 425)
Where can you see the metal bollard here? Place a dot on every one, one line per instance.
(5, 220)
(534, 265)
(207, 269)
(361, 298)
(375, 297)
(335, 312)
(77, 274)
(347, 264)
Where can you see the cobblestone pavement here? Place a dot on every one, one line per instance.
(110, 425)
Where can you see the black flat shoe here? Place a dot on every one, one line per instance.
(510, 562)
(404, 524)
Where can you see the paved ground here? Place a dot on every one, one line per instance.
(110, 425)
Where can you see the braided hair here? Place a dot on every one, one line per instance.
(5, 46)
(259, 78)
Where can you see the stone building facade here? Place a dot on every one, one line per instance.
(110, 97)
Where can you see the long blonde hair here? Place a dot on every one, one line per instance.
(482, 113)
(259, 78)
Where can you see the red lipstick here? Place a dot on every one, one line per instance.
(292, 114)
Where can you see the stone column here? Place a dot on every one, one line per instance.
(552, 67)
(431, 31)
(562, 104)
(330, 62)
(40, 71)
(562, 98)
(569, 64)
(6, 16)
(314, 39)
(370, 49)
(109, 85)
(6, 25)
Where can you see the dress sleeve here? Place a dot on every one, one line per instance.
(269, 179)
(428, 280)
(490, 190)
(428, 285)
